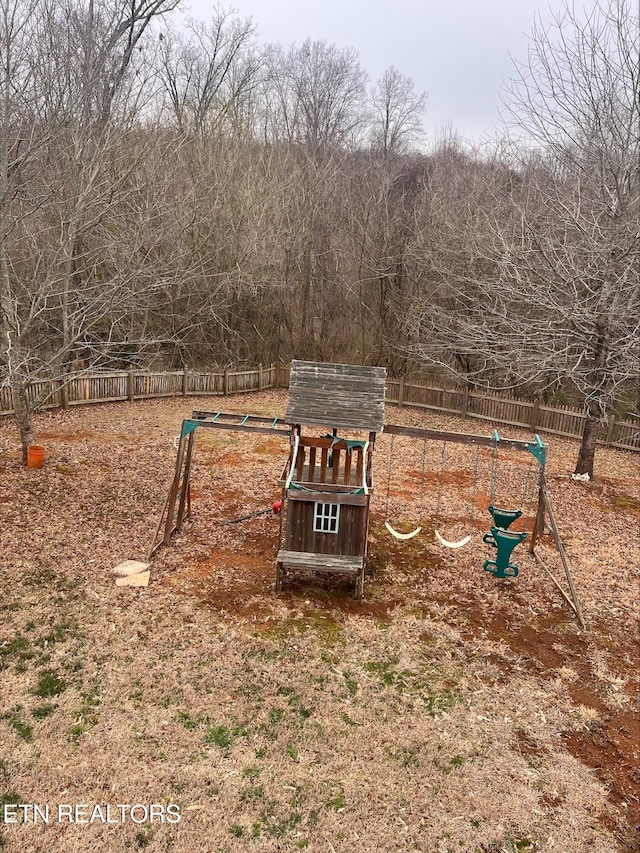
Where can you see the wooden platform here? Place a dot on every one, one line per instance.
(308, 561)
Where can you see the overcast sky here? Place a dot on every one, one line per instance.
(457, 51)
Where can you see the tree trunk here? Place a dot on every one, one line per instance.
(584, 465)
(15, 355)
(22, 415)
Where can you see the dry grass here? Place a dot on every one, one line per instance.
(449, 711)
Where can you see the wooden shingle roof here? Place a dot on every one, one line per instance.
(336, 395)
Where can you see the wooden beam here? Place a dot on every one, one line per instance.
(245, 428)
(184, 507)
(324, 459)
(327, 488)
(312, 464)
(155, 542)
(347, 466)
(174, 492)
(312, 562)
(319, 441)
(563, 556)
(539, 523)
(327, 497)
(455, 437)
(558, 584)
(299, 463)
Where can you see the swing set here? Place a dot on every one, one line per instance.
(327, 481)
(502, 518)
(499, 535)
(447, 543)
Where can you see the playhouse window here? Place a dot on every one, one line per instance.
(326, 518)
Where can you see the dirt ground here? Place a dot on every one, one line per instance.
(447, 711)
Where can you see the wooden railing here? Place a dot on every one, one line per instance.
(498, 409)
(325, 461)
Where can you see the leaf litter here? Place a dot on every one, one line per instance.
(447, 711)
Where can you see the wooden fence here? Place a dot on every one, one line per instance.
(140, 385)
(556, 420)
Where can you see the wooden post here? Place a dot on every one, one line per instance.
(465, 402)
(538, 525)
(225, 382)
(184, 506)
(535, 414)
(64, 397)
(401, 391)
(174, 492)
(563, 557)
(610, 428)
(185, 382)
(130, 386)
(260, 380)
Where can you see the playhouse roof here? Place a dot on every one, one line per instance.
(336, 395)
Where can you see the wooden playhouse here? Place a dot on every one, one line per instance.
(327, 480)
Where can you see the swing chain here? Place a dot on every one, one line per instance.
(494, 475)
(386, 506)
(424, 461)
(475, 485)
(528, 488)
(440, 478)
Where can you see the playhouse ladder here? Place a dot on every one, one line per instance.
(177, 505)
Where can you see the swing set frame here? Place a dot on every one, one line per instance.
(544, 518)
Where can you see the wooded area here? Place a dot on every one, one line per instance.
(177, 197)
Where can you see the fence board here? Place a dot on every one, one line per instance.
(150, 385)
(209, 384)
(564, 420)
(625, 434)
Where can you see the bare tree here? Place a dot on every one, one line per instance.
(19, 140)
(550, 291)
(579, 97)
(397, 114)
(321, 93)
(208, 71)
(64, 163)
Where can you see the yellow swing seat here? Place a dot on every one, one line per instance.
(402, 535)
(448, 544)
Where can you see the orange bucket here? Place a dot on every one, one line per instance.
(35, 456)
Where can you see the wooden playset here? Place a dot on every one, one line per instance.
(328, 480)
(334, 414)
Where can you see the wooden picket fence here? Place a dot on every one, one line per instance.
(141, 385)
